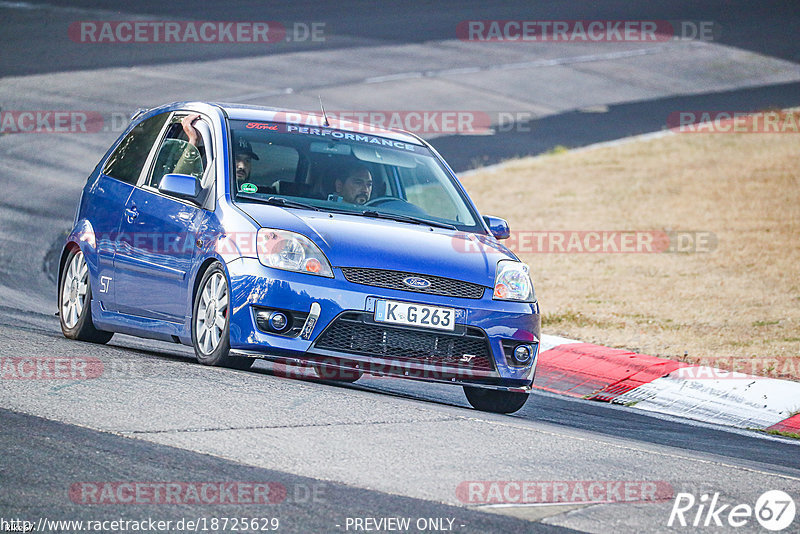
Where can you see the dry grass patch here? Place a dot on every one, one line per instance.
(736, 307)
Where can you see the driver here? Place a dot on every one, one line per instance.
(356, 187)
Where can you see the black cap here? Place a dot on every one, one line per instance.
(243, 147)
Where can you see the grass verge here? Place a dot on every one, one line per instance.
(784, 434)
(735, 307)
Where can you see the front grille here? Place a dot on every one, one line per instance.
(352, 333)
(394, 280)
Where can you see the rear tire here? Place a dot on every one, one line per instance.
(492, 400)
(75, 301)
(211, 322)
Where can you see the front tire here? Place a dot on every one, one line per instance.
(211, 322)
(75, 301)
(492, 400)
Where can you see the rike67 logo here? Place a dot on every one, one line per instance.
(774, 510)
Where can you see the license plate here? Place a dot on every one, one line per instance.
(389, 311)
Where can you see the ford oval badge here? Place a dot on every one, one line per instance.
(416, 282)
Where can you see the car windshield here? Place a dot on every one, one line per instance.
(339, 171)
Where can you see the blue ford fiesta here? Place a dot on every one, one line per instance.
(251, 232)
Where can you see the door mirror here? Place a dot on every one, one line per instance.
(181, 186)
(498, 227)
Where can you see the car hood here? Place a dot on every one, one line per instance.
(356, 241)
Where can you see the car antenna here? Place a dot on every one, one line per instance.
(324, 116)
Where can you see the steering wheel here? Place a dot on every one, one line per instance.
(383, 200)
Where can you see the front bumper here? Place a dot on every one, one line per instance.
(254, 287)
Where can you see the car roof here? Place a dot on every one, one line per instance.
(304, 118)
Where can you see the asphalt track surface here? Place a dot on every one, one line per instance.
(379, 448)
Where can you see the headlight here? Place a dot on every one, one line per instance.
(513, 282)
(291, 252)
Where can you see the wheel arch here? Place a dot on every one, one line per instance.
(68, 248)
(201, 271)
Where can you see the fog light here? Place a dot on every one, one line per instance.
(278, 321)
(523, 353)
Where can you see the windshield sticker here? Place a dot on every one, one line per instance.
(248, 188)
(362, 138)
(332, 134)
(261, 126)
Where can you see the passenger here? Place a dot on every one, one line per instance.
(243, 161)
(192, 160)
(243, 151)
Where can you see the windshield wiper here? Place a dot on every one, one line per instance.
(279, 201)
(405, 218)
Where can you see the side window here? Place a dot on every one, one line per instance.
(126, 162)
(177, 155)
